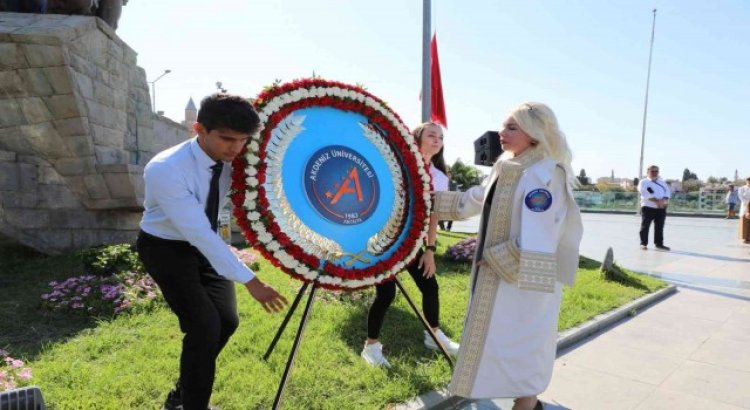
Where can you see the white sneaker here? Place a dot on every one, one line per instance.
(373, 355)
(450, 346)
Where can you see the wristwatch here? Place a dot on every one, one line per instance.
(432, 248)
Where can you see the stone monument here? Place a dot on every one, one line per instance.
(76, 129)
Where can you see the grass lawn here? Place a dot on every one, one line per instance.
(131, 361)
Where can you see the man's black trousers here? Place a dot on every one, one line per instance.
(205, 304)
(657, 216)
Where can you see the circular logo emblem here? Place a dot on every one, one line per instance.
(341, 185)
(538, 200)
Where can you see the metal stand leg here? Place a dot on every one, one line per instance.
(424, 322)
(297, 339)
(286, 321)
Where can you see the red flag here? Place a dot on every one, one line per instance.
(437, 113)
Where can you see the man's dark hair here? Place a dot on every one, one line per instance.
(230, 111)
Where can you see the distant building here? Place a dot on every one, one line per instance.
(623, 183)
(675, 186)
(191, 114)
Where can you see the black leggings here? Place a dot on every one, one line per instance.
(386, 292)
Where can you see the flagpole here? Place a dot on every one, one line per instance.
(645, 104)
(426, 80)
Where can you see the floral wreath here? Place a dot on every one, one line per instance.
(259, 202)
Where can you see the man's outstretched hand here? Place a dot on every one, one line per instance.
(268, 297)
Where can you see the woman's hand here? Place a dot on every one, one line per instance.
(428, 262)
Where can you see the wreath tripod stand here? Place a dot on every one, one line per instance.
(303, 323)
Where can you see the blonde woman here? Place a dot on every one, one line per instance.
(529, 236)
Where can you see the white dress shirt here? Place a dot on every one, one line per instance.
(656, 189)
(177, 184)
(439, 179)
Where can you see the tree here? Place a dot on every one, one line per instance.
(712, 180)
(465, 176)
(687, 175)
(582, 178)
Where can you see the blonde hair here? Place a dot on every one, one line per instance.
(539, 122)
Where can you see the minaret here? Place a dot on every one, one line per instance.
(612, 178)
(736, 175)
(191, 114)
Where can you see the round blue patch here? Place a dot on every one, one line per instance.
(341, 185)
(538, 200)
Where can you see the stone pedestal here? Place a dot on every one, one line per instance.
(76, 129)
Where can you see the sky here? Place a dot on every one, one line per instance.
(586, 59)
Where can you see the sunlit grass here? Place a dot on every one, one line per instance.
(131, 361)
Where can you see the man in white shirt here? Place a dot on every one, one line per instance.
(186, 185)
(655, 196)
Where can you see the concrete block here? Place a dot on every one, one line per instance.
(103, 94)
(96, 186)
(32, 159)
(82, 65)
(120, 186)
(31, 36)
(9, 180)
(28, 177)
(11, 85)
(107, 136)
(17, 20)
(129, 57)
(72, 126)
(34, 81)
(124, 181)
(58, 197)
(39, 55)
(78, 187)
(129, 220)
(110, 237)
(10, 113)
(11, 57)
(120, 100)
(79, 145)
(48, 175)
(18, 199)
(74, 219)
(116, 51)
(110, 155)
(76, 166)
(12, 139)
(60, 79)
(53, 240)
(45, 141)
(28, 218)
(85, 238)
(34, 110)
(8, 156)
(84, 85)
(65, 106)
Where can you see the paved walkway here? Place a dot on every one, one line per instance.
(689, 351)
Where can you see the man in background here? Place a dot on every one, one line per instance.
(655, 196)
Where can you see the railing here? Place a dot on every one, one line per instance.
(701, 203)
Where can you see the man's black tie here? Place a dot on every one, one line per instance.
(212, 204)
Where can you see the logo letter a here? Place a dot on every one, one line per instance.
(346, 189)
